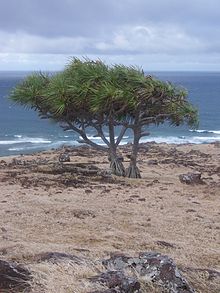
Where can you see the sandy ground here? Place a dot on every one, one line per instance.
(93, 217)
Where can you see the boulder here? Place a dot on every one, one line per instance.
(13, 276)
(154, 267)
(191, 178)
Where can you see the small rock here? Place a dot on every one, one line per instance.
(190, 211)
(142, 199)
(134, 196)
(55, 257)
(106, 291)
(191, 178)
(82, 214)
(88, 191)
(64, 158)
(166, 244)
(152, 162)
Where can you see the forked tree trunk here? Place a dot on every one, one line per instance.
(132, 171)
(116, 164)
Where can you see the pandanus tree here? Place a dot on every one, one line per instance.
(157, 102)
(90, 95)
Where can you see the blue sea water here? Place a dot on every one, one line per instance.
(21, 130)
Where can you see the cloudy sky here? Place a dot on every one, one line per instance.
(155, 34)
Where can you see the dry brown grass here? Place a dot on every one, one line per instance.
(129, 216)
(63, 277)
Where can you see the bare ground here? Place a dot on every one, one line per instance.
(93, 216)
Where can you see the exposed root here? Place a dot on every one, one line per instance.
(117, 167)
(132, 172)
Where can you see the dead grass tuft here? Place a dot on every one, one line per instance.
(64, 277)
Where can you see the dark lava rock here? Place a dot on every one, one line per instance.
(55, 257)
(165, 244)
(13, 277)
(2, 162)
(152, 162)
(64, 158)
(106, 291)
(191, 178)
(154, 267)
(118, 281)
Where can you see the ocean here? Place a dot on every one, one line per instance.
(22, 132)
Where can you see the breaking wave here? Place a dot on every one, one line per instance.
(182, 139)
(27, 144)
(206, 131)
(20, 139)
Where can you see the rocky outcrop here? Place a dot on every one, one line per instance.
(117, 281)
(13, 277)
(147, 267)
(119, 274)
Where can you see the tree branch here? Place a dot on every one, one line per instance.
(127, 125)
(111, 132)
(93, 144)
(100, 133)
(86, 139)
(121, 110)
(66, 128)
(121, 134)
(153, 118)
(146, 133)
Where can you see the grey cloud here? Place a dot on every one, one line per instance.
(52, 18)
(148, 39)
(99, 17)
(111, 28)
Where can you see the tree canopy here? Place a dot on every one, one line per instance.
(90, 94)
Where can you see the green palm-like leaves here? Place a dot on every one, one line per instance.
(87, 90)
(57, 95)
(29, 93)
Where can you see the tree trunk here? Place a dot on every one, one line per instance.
(132, 171)
(116, 165)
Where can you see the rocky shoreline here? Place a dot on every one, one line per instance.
(76, 207)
